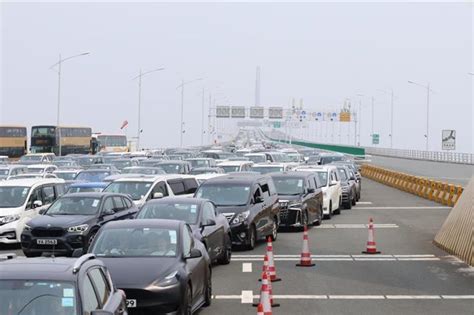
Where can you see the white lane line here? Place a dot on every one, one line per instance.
(356, 297)
(411, 256)
(246, 297)
(419, 259)
(247, 267)
(413, 297)
(357, 226)
(404, 208)
(375, 259)
(353, 259)
(364, 202)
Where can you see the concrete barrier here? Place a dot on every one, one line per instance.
(441, 192)
(456, 235)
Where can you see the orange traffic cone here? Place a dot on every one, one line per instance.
(371, 246)
(265, 265)
(271, 263)
(260, 309)
(305, 260)
(265, 296)
(266, 284)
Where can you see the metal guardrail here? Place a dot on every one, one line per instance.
(437, 156)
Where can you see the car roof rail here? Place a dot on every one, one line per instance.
(81, 261)
(7, 256)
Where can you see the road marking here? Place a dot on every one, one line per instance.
(246, 297)
(364, 202)
(353, 258)
(357, 226)
(247, 267)
(404, 208)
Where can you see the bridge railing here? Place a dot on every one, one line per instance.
(443, 156)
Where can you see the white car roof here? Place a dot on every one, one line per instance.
(234, 163)
(255, 154)
(29, 182)
(272, 164)
(315, 168)
(208, 176)
(151, 178)
(41, 165)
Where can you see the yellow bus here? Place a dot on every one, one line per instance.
(75, 140)
(109, 143)
(13, 141)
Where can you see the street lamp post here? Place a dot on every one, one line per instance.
(139, 77)
(392, 96)
(428, 91)
(183, 83)
(58, 113)
(372, 132)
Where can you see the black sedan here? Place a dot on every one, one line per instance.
(159, 264)
(210, 227)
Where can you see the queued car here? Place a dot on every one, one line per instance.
(211, 228)
(349, 190)
(257, 157)
(331, 186)
(175, 166)
(58, 286)
(66, 174)
(123, 163)
(160, 264)
(143, 170)
(40, 168)
(266, 168)
(88, 160)
(94, 175)
(202, 162)
(301, 201)
(326, 158)
(36, 158)
(235, 166)
(23, 199)
(11, 170)
(250, 204)
(72, 222)
(207, 170)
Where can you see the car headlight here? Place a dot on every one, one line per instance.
(241, 217)
(345, 188)
(9, 218)
(170, 279)
(27, 228)
(295, 204)
(78, 228)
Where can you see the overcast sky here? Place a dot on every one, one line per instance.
(321, 52)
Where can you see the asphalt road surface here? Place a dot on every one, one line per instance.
(410, 276)
(447, 172)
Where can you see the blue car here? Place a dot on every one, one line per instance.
(86, 187)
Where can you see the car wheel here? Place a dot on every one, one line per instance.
(274, 234)
(349, 204)
(252, 238)
(338, 210)
(208, 296)
(328, 216)
(354, 200)
(226, 255)
(320, 217)
(187, 306)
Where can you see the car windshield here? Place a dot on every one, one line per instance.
(288, 186)
(136, 242)
(35, 170)
(31, 297)
(294, 157)
(85, 161)
(136, 190)
(225, 194)
(77, 205)
(203, 171)
(170, 168)
(30, 158)
(72, 190)
(120, 164)
(230, 169)
(257, 158)
(342, 174)
(281, 158)
(64, 163)
(12, 197)
(323, 178)
(96, 176)
(199, 163)
(329, 159)
(66, 176)
(267, 169)
(144, 170)
(187, 212)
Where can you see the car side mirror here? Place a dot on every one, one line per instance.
(101, 312)
(108, 212)
(78, 252)
(209, 222)
(42, 211)
(157, 195)
(37, 204)
(194, 253)
(333, 183)
(311, 190)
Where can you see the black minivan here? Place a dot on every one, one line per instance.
(250, 204)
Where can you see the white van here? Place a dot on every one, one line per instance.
(23, 199)
(146, 187)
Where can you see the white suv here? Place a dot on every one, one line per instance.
(23, 199)
(145, 187)
(331, 187)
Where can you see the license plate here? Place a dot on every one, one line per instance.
(131, 303)
(46, 242)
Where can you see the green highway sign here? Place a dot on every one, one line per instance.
(375, 138)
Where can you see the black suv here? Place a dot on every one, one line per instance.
(249, 202)
(57, 286)
(301, 200)
(348, 185)
(72, 221)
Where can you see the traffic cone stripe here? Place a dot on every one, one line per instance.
(371, 247)
(305, 260)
